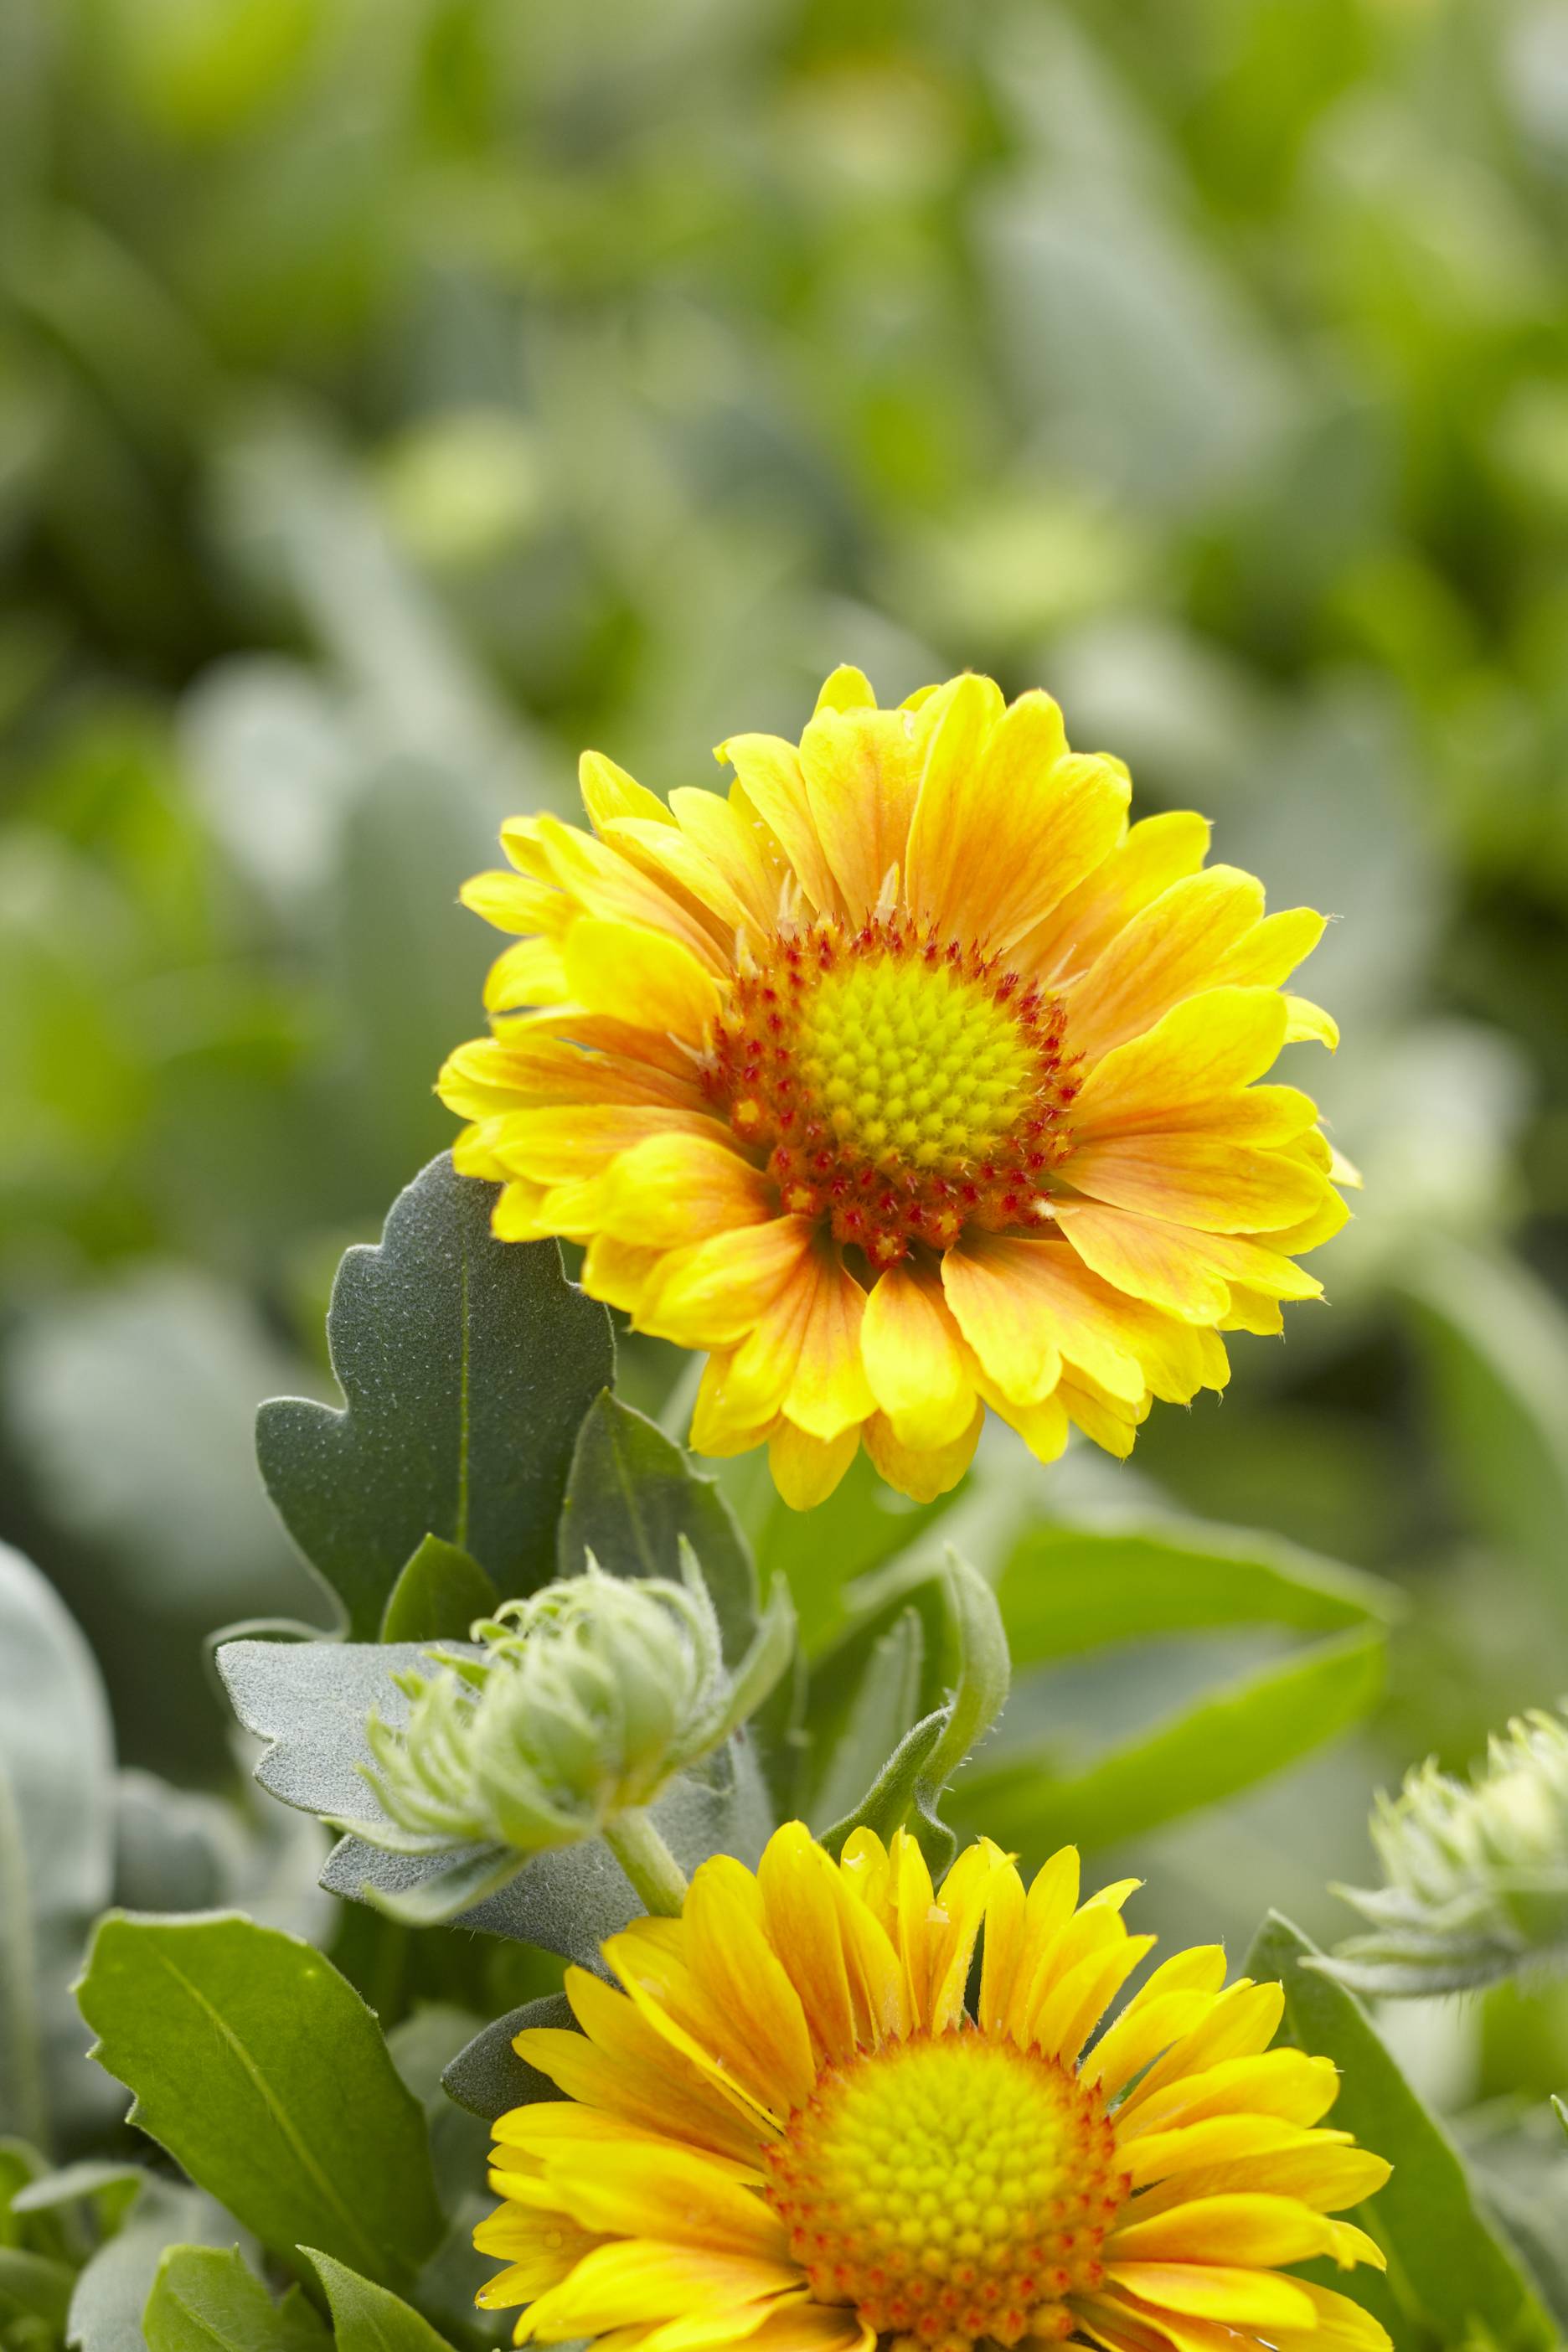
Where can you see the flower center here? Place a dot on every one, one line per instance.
(906, 1089)
(950, 2189)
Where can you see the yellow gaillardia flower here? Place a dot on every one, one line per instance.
(907, 1079)
(787, 2131)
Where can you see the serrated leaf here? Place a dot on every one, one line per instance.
(489, 2078)
(438, 1595)
(1449, 2269)
(261, 2071)
(466, 1365)
(207, 2299)
(631, 1498)
(567, 1901)
(366, 2317)
(310, 1700)
(55, 1815)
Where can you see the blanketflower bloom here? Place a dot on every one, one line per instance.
(907, 1079)
(787, 2131)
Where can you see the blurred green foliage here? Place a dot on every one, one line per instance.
(395, 397)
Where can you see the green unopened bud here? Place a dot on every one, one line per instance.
(1477, 1872)
(583, 1705)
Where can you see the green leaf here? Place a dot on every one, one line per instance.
(888, 1801)
(862, 1524)
(466, 1365)
(1449, 2270)
(265, 2076)
(972, 1655)
(1228, 1742)
(1560, 2111)
(1496, 1343)
(366, 2318)
(34, 2286)
(438, 1595)
(631, 1498)
(882, 1709)
(489, 2078)
(1066, 1591)
(310, 1700)
(56, 1811)
(569, 1900)
(206, 2299)
(112, 2289)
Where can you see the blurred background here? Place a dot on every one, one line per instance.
(396, 395)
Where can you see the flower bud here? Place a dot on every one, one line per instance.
(585, 1702)
(1477, 1872)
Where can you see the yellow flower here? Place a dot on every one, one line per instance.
(907, 1079)
(788, 2130)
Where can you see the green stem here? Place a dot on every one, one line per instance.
(648, 1862)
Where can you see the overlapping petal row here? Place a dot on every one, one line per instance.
(786, 2130)
(907, 1079)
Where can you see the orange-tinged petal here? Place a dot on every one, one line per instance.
(737, 1972)
(915, 1360)
(641, 2278)
(1166, 952)
(829, 1392)
(726, 832)
(1193, 1179)
(667, 852)
(1155, 853)
(1188, 1273)
(997, 840)
(611, 888)
(620, 2064)
(862, 770)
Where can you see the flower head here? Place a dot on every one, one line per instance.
(788, 2130)
(907, 1079)
(585, 1703)
(1476, 1871)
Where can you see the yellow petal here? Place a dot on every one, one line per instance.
(714, 1293)
(668, 853)
(727, 833)
(1258, 2301)
(921, 1472)
(829, 1392)
(608, 793)
(1308, 1024)
(531, 973)
(1168, 952)
(674, 1189)
(514, 902)
(1238, 2229)
(640, 976)
(1024, 1306)
(737, 1972)
(1155, 853)
(847, 688)
(610, 887)
(805, 1470)
(1208, 1045)
(999, 839)
(1195, 1180)
(769, 773)
(862, 771)
(914, 1359)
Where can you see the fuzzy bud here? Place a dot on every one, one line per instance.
(584, 1704)
(1477, 1872)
